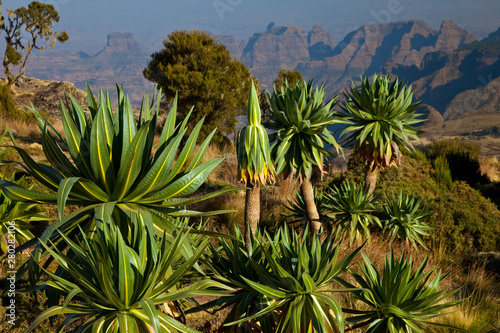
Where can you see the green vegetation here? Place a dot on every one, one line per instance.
(400, 300)
(462, 158)
(114, 167)
(8, 108)
(204, 76)
(465, 220)
(380, 116)
(301, 121)
(353, 209)
(405, 218)
(295, 271)
(292, 77)
(24, 29)
(15, 218)
(121, 257)
(298, 211)
(254, 162)
(119, 283)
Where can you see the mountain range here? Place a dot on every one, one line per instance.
(453, 72)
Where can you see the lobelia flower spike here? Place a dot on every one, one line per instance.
(254, 161)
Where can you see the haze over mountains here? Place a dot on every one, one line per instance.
(451, 70)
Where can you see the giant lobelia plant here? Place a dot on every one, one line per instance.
(295, 272)
(122, 285)
(353, 210)
(301, 121)
(381, 116)
(400, 299)
(231, 264)
(405, 218)
(254, 162)
(113, 164)
(15, 218)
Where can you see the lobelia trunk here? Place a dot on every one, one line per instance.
(252, 210)
(371, 175)
(307, 192)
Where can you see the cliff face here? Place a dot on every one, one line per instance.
(122, 42)
(279, 46)
(121, 61)
(460, 83)
(231, 44)
(451, 37)
(320, 43)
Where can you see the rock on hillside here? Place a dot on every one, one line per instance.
(121, 42)
(431, 115)
(46, 95)
(482, 100)
(451, 37)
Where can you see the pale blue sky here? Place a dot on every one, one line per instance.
(89, 21)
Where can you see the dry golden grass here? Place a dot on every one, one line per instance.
(25, 129)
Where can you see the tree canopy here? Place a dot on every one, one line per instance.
(287, 76)
(25, 29)
(205, 76)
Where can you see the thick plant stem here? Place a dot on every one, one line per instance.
(371, 175)
(307, 192)
(252, 210)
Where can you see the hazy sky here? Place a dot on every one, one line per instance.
(89, 21)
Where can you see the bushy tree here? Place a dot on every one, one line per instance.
(287, 76)
(205, 76)
(25, 29)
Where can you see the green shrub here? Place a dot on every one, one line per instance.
(8, 108)
(462, 157)
(442, 171)
(291, 275)
(465, 219)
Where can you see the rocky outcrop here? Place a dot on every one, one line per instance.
(319, 35)
(121, 42)
(230, 43)
(482, 100)
(121, 61)
(279, 46)
(46, 95)
(451, 37)
(460, 83)
(320, 43)
(430, 114)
